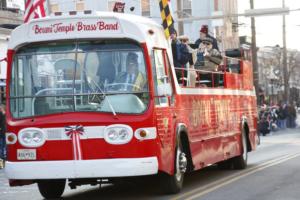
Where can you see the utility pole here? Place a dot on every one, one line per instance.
(2, 4)
(179, 16)
(48, 11)
(254, 53)
(284, 59)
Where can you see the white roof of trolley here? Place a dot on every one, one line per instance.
(97, 25)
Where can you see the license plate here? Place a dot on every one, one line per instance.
(26, 154)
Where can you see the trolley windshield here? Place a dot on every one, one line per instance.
(102, 76)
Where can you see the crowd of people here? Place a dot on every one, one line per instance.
(204, 55)
(275, 117)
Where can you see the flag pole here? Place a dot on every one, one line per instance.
(179, 16)
(48, 10)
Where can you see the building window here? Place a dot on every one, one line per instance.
(145, 8)
(187, 6)
(80, 5)
(54, 8)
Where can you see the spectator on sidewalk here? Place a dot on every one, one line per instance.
(264, 122)
(282, 115)
(264, 126)
(291, 116)
(273, 118)
(2, 136)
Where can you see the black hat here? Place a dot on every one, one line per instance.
(207, 39)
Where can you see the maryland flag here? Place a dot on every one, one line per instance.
(166, 16)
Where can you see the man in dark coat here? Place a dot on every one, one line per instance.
(175, 50)
(204, 34)
(282, 116)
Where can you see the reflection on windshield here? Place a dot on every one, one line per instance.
(90, 77)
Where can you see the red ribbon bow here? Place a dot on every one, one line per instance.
(74, 133)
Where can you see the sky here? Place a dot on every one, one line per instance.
(269, 28)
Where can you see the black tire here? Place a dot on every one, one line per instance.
(240, 162)
(172, 184)
(225, 165)
(52, 189)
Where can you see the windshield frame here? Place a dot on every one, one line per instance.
(141, 47)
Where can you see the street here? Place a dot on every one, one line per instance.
(272, 173)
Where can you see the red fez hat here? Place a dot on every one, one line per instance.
(204, 29)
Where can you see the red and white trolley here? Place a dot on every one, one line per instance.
(69, 120)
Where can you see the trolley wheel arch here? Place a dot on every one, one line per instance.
(245, 127)
(182, 135)
(172, 183)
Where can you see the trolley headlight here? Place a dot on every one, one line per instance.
(112, 135)
(32, 137)
(37, 137)
(26, 138)
(123, 134)
(118, 134)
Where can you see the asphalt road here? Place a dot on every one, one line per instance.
(273, 173)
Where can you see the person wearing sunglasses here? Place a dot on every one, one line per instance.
(211, 59)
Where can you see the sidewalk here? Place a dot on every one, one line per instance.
(288, 135)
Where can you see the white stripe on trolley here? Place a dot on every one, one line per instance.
(215, 91)
(92, 132)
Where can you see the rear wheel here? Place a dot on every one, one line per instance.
(225, 165)
(172, 184)
(52, 189)
(240, 162)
